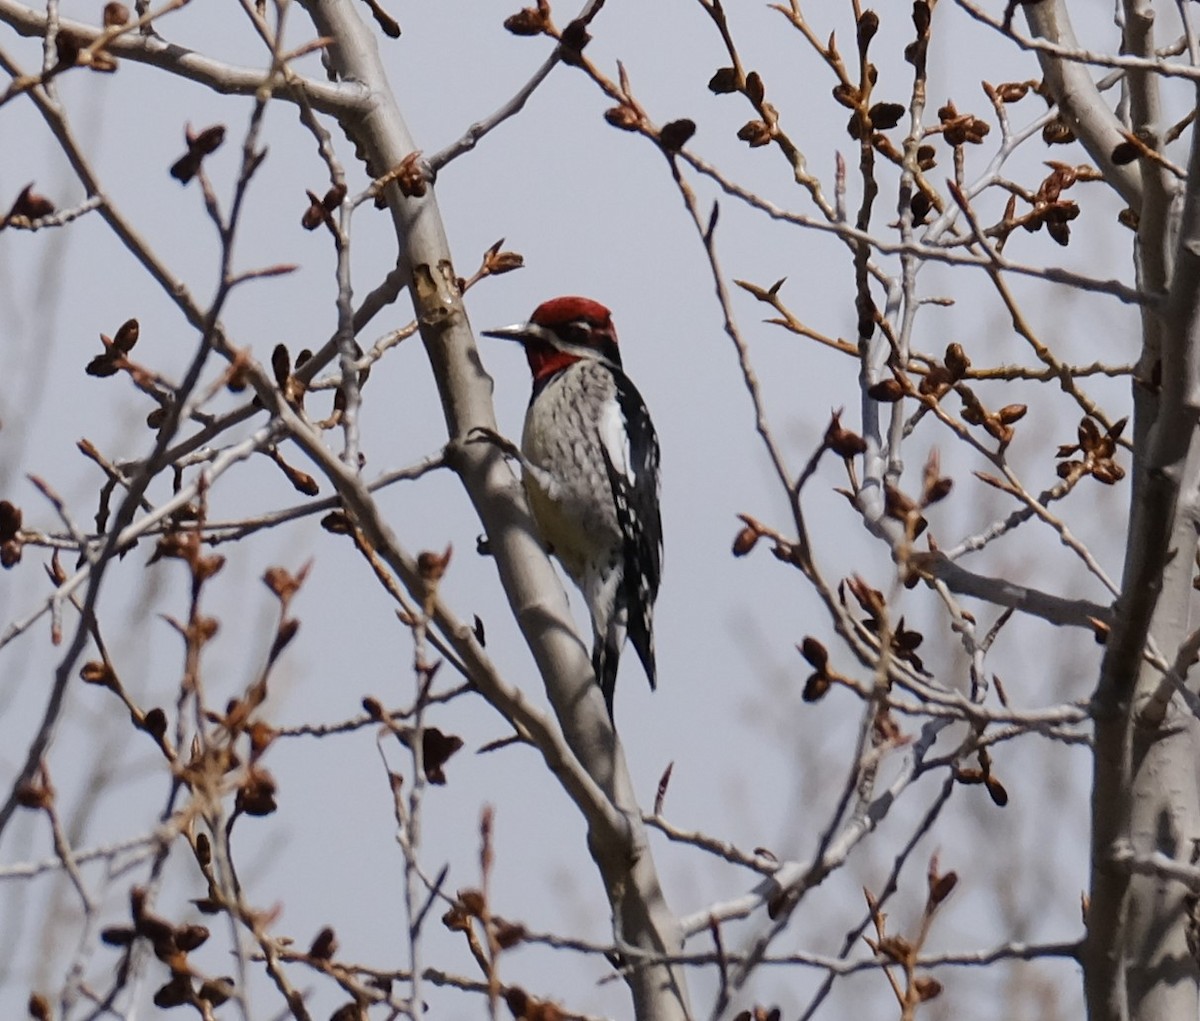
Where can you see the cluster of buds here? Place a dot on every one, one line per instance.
(199, 145)
(983, 775)
(28, 208)
(760, 130)
(960, 129)
(823, 676)
(842, 441)
(321, 210)
(171, 945)
(71, 52)
(918, 987)
(113, 359)
(940, 377)
(1098, 450)
(901, 507)
(436, 746)
(412, 176)
(530, 20)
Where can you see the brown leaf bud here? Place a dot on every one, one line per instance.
(97, 672)
(67, 47)
(816, 653)
(190, 937)
(338, 523)
(1056, 132)
(868, 597)
(315, 215)
(436, 749)
(897, 504)
(509, 935)
(282, 583)
(841, 440)
(996, 791)
(573, 39)
(281, 365)
(208, 140)
(940, 887)
(745, 541)
(624, 117)
(175, 993)
(10, 520)
(472, 902)
(457, 920)
(868, 25)
(755, 90)
(896, 947)
(30, 205)
(215, 991)
(103, 365)
(34, 794)
(411, 176)
(755, 133)
(1011, 92)
(324, 946)
(816, 687)
(957, 361)
(847, 95)
(938, 490)
(432, 566)
(497, 262)
(920, 205)
(674, 136)
(887, 391)
(844, 442)
(977, 130)
(256, 795)
(926, 987)
(935, 382)
(724, 81)
(517, 1000)
(154, 723)
(885, 115)
(115, 14)
(922, 15)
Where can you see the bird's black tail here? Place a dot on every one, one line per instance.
(606, 654)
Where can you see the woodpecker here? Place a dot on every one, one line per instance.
(589, 458)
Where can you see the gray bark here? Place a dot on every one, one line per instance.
(643, 924)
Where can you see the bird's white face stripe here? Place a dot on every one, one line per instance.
(615, 438)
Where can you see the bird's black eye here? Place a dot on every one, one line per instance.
(578, 332)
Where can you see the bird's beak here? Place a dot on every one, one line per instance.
(523, 333)
(520, 332)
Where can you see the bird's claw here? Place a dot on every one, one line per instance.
(483, 434)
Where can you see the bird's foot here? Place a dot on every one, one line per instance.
(482, 434)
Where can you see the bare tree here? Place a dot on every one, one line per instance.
(966, 507)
